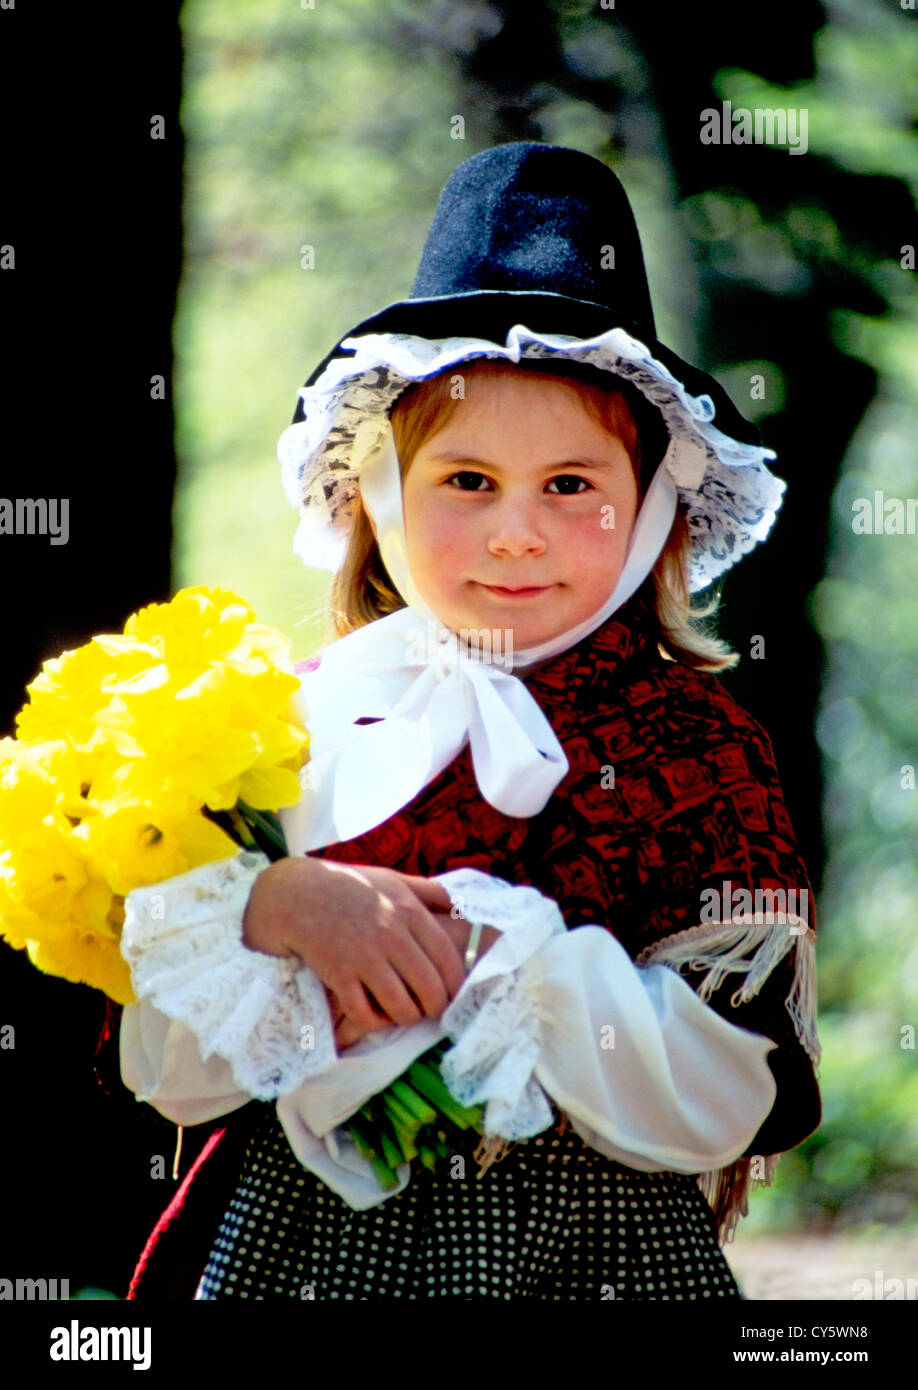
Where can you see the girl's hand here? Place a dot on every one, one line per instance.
(347, 1032)
(377, 938)
(460, 930)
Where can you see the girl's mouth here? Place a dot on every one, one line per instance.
(515, 593)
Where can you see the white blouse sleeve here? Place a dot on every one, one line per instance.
(216, 1024)
(649, 1074)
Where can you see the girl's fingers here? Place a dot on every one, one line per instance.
(393, 947)
(357, 1006)
(334, 1006)
(431, 931)
(433, 895)
(392, 996)
(346, 1033)
(420, 972)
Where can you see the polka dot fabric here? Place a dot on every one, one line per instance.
(552, 1220)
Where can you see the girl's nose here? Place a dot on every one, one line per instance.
(515, 528)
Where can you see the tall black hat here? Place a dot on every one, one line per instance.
(533, 250)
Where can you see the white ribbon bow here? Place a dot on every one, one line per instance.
(359, 775)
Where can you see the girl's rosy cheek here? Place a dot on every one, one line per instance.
(596, 530)
(598, 545)
(440, 528)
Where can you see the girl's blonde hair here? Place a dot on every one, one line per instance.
(362, 590)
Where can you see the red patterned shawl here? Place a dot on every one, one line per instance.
(672, 790)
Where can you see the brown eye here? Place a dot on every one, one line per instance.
(467, 475)
(571, 478)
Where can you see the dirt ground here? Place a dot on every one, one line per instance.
(816, 1267)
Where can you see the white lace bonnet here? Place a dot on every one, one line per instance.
(483, 290)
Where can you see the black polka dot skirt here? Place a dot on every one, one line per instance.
(553, 1219)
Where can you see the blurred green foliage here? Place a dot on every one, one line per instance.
(319, 128)
(862, 1165)
(304, 129)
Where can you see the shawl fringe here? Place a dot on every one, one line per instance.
(723, 948)
(491, 1149)
(727, 1189)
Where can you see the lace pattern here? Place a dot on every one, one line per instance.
(183, 941)
(268, 1016)
(731, 497)
(494, 1019)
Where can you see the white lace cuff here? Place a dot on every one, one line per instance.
(315, 1116)
(266, 1015)
(525, 920)
(648, 1073)
(494, 1019)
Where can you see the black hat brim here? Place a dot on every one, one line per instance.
(490, 314)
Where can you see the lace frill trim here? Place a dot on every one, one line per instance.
(731, 497)
(266, 1015)
(494, 1022)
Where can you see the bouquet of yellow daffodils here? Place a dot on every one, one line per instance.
(139, 757)
(142, 755)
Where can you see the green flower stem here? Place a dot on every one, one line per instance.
(412, 1102)
(387, 1178)
(406, 1141)
(268, 826)
(400, 1113)
(391, 1152)
(388, 1127)
(369, 1148)
(432, 1086)
(241, 828)
(416, 1116)
(368, 1130)
(428, 1158)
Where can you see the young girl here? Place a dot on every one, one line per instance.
(532, 820)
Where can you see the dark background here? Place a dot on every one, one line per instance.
(92, 206)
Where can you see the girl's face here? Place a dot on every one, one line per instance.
(521, 490)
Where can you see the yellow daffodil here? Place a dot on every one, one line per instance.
(68, 691)
(123, 744)
(136, 845)
(85, 959)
